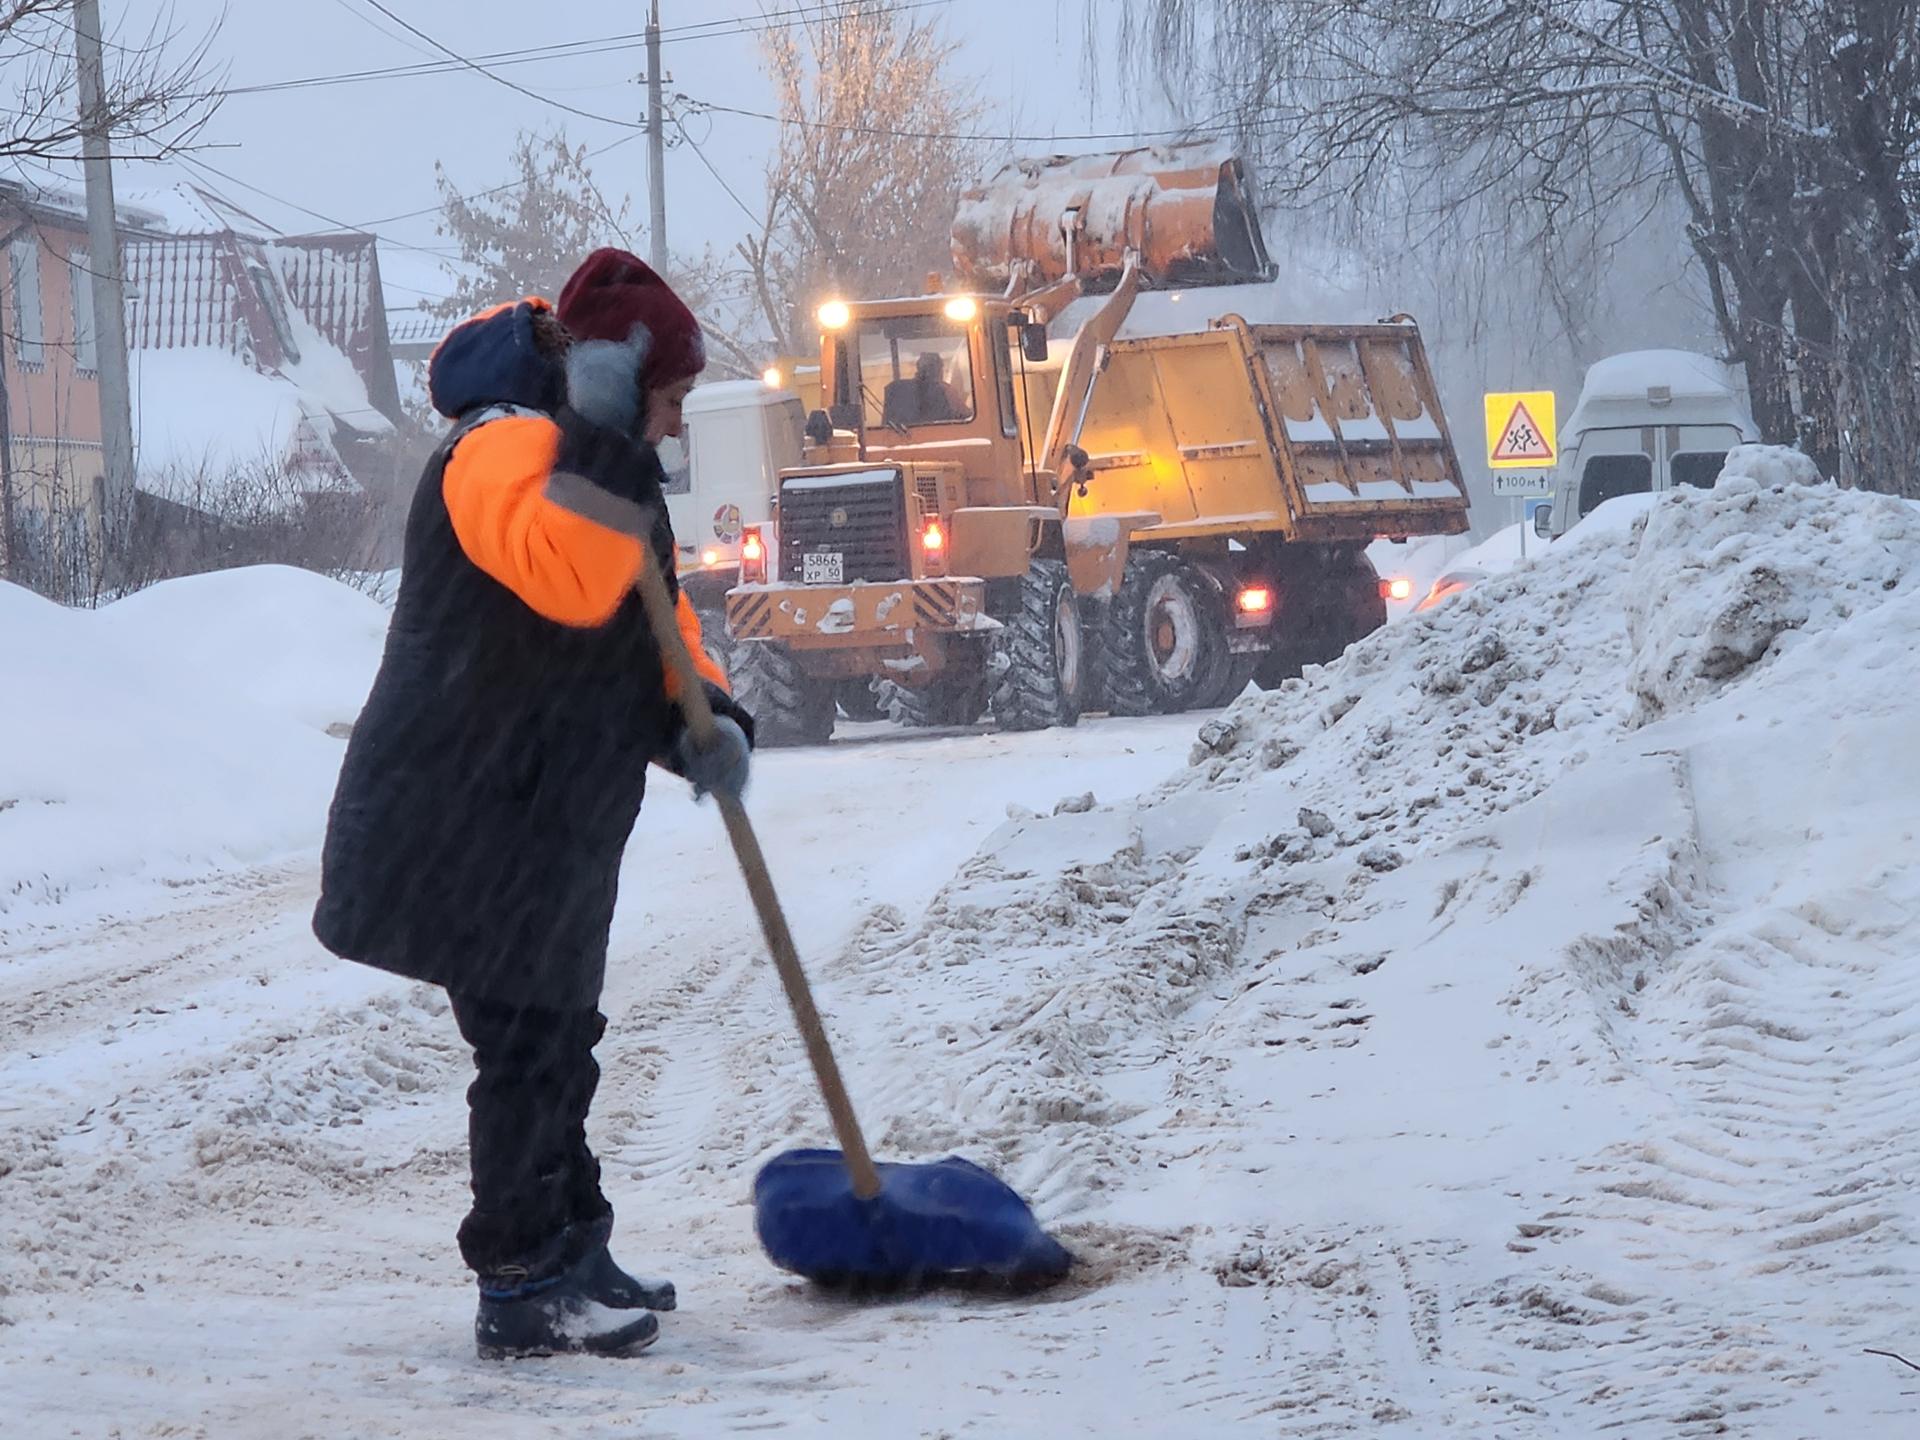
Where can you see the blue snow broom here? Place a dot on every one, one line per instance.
(833, 1215)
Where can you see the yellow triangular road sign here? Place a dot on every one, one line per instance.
(1520, 430)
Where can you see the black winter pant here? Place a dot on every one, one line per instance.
(537, 1205)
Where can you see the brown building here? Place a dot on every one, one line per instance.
(256, 361)
(50, 461)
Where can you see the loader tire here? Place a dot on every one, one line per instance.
(859, 700)
(788, 706)
(1164, 632)
(1044, 647)
(949, 701)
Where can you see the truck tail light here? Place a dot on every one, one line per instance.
(1254, 600)
(1398, 588)
(933, 548)
(753, 558)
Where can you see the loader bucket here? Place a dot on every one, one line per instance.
(1185, 210)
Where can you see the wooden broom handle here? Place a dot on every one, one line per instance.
(585, 498)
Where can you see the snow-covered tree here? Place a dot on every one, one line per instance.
(1782, 137)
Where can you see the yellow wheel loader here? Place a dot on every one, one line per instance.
(1095, 475)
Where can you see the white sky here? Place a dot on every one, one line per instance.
(362, 152)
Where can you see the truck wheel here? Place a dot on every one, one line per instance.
(788, 706)
(1277, 667)
(950, 700)
(1164, 629)
(1228, 679)
(1349, 608)
(1044, 646)
(859, 701)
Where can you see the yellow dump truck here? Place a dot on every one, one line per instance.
(1092, 476)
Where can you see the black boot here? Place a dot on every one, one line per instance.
(603, 1279)
(556, 1316)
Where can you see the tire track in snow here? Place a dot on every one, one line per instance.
(60, 980)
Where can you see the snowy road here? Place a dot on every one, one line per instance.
(1514, 1030)
(233, 1163)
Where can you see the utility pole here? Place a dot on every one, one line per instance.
(103, 252)
(656, 149)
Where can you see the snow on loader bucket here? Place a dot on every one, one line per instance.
(1183, 211)
(834, 1216)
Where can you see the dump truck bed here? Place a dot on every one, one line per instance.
(1323, 433)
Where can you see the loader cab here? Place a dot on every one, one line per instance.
(934, 378)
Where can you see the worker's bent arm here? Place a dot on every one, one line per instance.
(562, 565)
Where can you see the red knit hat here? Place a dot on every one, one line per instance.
(617, 296)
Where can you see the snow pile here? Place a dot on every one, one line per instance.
(177, 731)
(290, 641)
(1479, 704)
(1447, 988)
(1721, 583)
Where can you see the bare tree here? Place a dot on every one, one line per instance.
(191, 518)
(875, 146)
(526, 238)
(160, 85)
(1782, 135)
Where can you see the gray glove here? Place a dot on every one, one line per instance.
(721, 766)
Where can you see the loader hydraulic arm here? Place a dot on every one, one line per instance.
(1081, 372)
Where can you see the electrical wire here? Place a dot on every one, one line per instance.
(199, 164)
(488, 194)
(569, 49)
(480, 69)
(1204, 128)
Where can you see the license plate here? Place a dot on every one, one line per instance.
(827, 569)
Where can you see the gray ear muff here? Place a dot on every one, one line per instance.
(603, 379)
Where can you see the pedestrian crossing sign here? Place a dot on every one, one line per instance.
(1520, 430)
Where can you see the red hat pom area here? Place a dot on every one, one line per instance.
(631, 333)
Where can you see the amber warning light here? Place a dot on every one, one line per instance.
(1254, 600)
(1398, 588)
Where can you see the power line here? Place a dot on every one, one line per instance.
(1134, 136)
(496, 190)
(315, 214)
(568, 49)
(701, 155)
(500, 79)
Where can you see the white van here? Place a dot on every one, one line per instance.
(739, 435)
(1647, 420)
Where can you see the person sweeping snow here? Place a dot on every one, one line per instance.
(492, 781)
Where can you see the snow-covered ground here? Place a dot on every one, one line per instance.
(1510, 1030)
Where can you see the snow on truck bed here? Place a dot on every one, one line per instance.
(1511, 1029)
